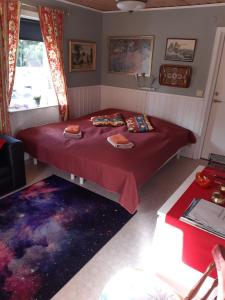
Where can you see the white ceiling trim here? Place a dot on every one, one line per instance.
(146, 9)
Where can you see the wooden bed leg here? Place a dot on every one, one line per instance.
(72, 177)
(35, 161)
(81, 180)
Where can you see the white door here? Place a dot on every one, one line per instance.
(215, 134)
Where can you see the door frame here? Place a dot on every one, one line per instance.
(211, 82)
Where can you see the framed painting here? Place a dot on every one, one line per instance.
(175, 75)
(130, 55)
(82, 56)
(180, 49)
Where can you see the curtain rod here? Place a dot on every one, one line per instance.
(36, 8)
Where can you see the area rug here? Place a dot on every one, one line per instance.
(48, 232)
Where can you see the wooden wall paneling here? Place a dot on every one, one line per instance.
(181, 110)
(84, 100)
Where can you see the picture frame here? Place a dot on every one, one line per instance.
(130, 55)
(178, 49)
(82, 56)
(175, 75)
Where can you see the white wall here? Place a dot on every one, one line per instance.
(82, 100)
(33, 117)
(182, 110)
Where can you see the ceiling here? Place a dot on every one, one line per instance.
(110, 5)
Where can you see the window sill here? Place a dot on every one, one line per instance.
(22, 108)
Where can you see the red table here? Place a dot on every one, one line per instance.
(197, 244)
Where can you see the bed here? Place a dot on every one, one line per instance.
(93, 158)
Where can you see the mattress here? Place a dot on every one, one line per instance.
(92, 157)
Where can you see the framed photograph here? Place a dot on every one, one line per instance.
(180, 49)
(82, 56)
(175, 75)
(130, 55)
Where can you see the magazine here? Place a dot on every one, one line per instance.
(207, 216)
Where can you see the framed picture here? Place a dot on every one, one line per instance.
(82, 56)
(180, 49)
(175, 75)
(130, 55)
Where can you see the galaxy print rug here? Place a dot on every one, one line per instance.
(48, 232)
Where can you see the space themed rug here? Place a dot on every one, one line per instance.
(48, 232)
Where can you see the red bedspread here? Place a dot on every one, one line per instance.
(93, 158)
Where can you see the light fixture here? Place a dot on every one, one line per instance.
(131, 5)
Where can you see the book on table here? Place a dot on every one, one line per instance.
(206, 215)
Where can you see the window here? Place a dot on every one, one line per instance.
(33, 85)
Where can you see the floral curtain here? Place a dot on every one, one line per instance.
(51, 21)
(9, 37)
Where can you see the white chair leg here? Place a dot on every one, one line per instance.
(35, 161)
(81, 180)
(72, 177)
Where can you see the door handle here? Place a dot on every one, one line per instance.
(217, 101)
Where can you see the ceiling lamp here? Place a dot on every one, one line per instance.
(131, 5)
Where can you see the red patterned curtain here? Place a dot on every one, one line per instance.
(9, 37)
(51, 21)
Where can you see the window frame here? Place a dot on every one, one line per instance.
(32, 15)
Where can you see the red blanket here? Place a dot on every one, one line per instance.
(93, 158)
(197, 244)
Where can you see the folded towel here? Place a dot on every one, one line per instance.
(119, 139)
(73, 129)
(72, 135)
(129, 145)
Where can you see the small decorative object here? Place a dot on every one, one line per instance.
(131, 5)
(217, 198)
(131, 55)
(202, 180)
(146, 82)
(37, 100)
(180, 49)
(82, 56)
(175, 75)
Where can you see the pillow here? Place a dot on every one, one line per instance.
(2, 143)
(139, 123)
(113, 120)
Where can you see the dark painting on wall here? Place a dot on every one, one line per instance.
(82, 56)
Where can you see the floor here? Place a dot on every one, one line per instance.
(131, 246)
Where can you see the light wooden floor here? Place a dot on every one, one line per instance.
(131, 246)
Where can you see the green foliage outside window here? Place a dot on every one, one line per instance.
(30, 53)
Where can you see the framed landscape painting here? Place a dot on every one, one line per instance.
(130, 55)
(180, 49)
(82, 56)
